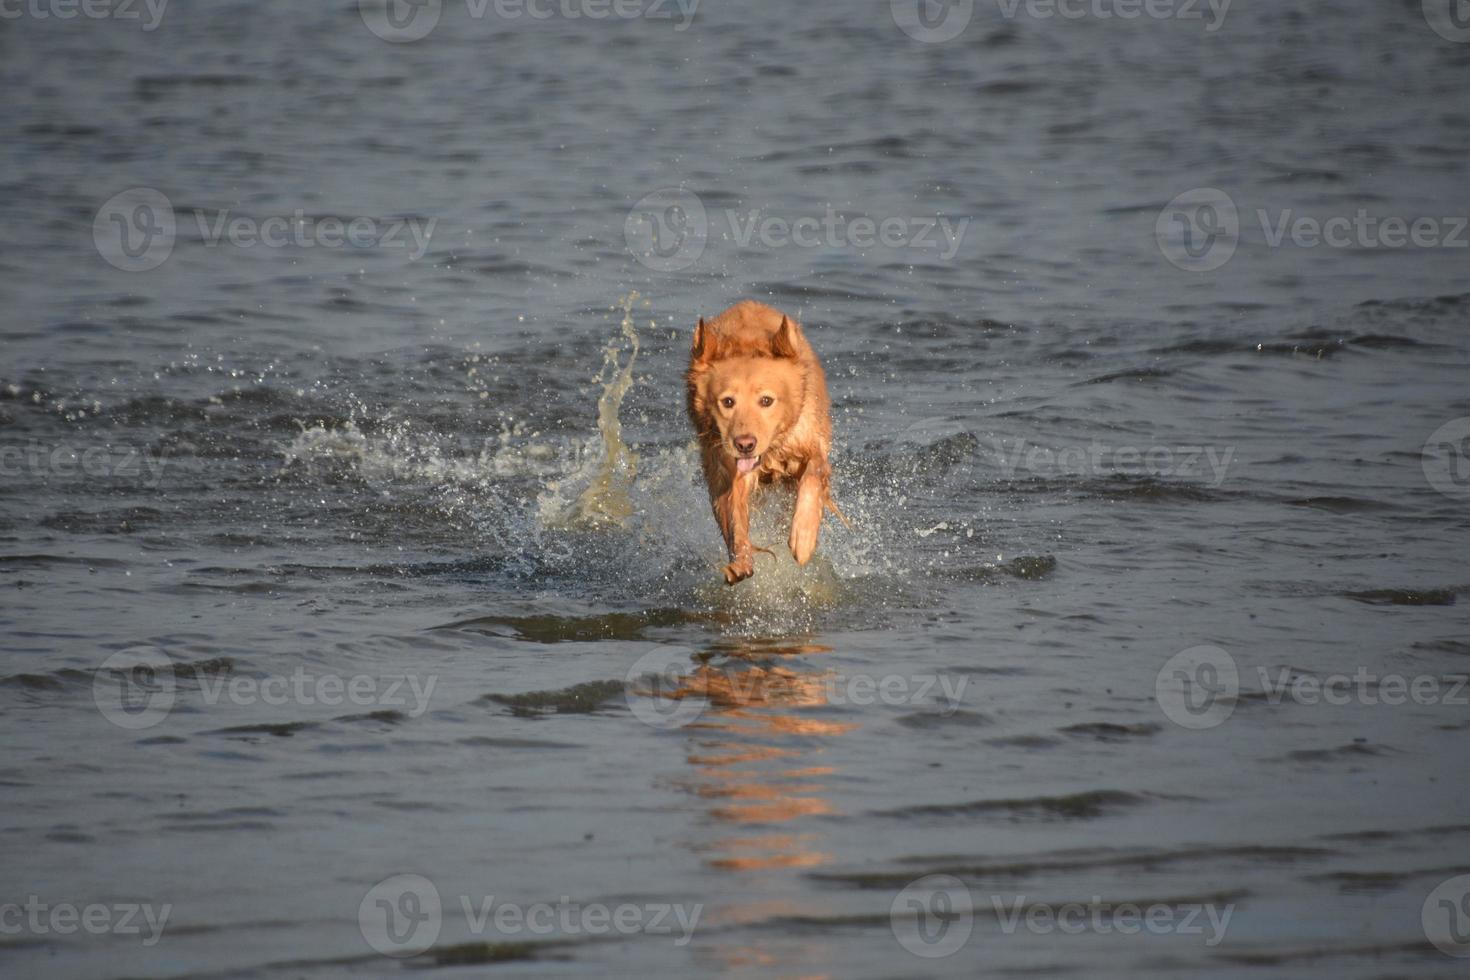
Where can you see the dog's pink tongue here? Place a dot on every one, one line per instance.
(745, 465)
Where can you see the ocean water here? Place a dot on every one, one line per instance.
(361, 603)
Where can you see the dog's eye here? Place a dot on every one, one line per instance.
(767, 401)
(728, 402)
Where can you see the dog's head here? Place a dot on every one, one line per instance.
(749, 397)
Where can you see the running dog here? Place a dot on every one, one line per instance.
(758, 402)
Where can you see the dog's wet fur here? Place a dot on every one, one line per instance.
(758, 402)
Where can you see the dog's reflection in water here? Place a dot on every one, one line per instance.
(756, 756)
(758, 761)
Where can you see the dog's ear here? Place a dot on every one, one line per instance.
(783, 341)
(706, 346)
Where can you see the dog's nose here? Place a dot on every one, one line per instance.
(745, 444)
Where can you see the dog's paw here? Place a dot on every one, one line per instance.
(803, 540)
(739, 569)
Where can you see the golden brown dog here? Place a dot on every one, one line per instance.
(758, 401)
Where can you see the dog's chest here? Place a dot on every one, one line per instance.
(779, 464)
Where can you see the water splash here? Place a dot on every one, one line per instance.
(607, 498)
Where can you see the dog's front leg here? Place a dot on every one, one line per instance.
(732, 511)
(806, 521)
